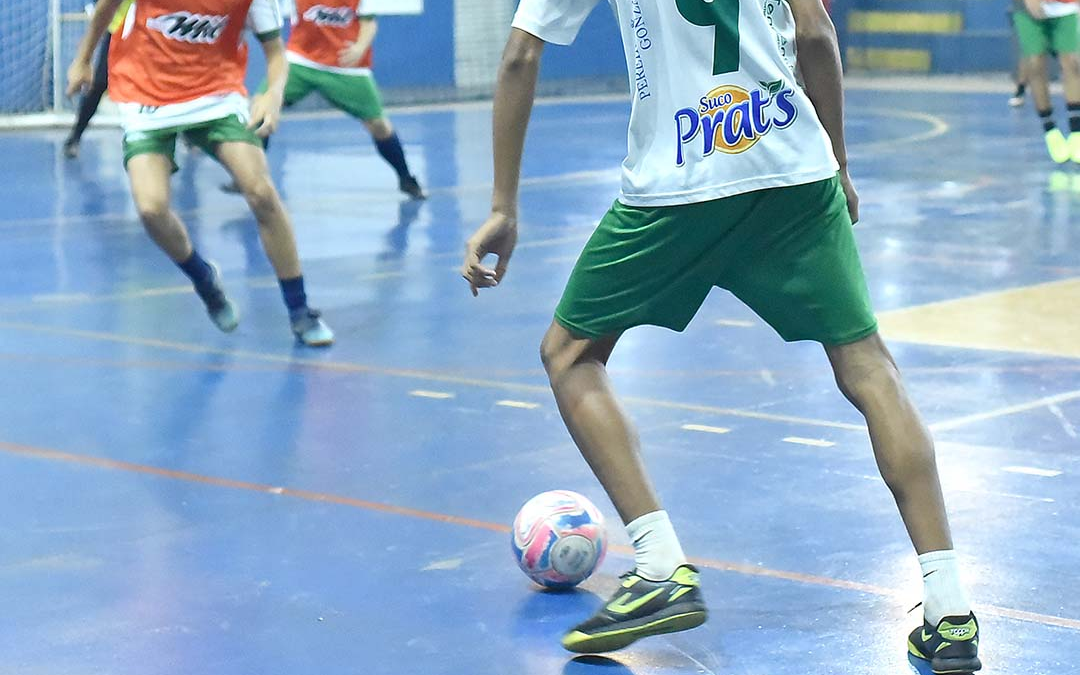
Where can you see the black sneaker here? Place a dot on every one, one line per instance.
(641, 608)
(409, 186)
(952, 648)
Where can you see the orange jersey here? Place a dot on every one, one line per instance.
(173, 51)
(322, 28)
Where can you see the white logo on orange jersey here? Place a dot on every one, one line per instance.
(337, 17)
(188, 27)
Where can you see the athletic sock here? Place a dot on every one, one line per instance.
(1020, 89)
(657, 552)
(1047, 117)
(292, 290)
(198, 270)
(391, 150)
(943, 593)
(1074, 117)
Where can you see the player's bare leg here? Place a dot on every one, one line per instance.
(1039, 84)
(904, 450)
(150, 176)
(247, 164)
(577, 369)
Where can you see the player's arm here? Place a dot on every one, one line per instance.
(81, 72)
(266, 107)
(823, 80)
(351, 55)
(1035, 8)
(514, 94)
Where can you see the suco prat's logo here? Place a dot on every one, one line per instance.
(732, 120)
(188, 27)
(336, 17)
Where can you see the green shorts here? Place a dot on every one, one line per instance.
(356, 95)
(205, 135)
(1041, 36)
(788, 253)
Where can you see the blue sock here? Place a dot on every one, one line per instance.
(197, 269)
(1074, 117)
(293, 292)
(391, 150)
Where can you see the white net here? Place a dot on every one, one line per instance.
(25, 63)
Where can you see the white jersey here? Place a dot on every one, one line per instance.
(716, 107)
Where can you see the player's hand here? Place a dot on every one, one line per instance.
(265, 114)
(80, 77)
(1035, 9)
(497, 235)
(350, 56)
(851, 194)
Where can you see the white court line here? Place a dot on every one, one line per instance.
(736, 323)
(1032, 471)
(424, 393)
(815, 442)
(705, 428)
(1002, 412)
(524, 405)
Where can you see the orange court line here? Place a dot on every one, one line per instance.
(309, 495)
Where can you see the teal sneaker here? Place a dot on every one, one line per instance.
(222, 311)
(641, 608)
(952, 648)
(309, 328)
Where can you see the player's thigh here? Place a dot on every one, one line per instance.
(148, 158)
(247, 164)
(231, 143)
(1032, 34)
(644, 266)
(799, 269)
(1065, 37)
(356, 95)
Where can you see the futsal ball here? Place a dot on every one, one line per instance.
(558, 538)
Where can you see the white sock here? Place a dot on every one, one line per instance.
(943, 594)
(657, 552)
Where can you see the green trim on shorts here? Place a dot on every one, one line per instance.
(204, 135)
(269, 36)
(1041, 36)
(356, 95)
(788, 253)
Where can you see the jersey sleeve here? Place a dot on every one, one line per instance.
(264, 19)
(554, 21)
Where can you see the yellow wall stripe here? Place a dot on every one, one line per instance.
(917, 60)
(905, 22)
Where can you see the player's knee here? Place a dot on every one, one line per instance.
(549, 352)
(262, 198)
(867, 380)
(152, 209)
(380, 128)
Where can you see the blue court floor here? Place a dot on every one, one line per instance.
(177, 501)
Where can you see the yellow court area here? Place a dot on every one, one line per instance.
(1039, 319)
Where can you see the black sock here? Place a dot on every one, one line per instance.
(293, 292)
(391, 150)
(1074, 117)
(1047, 117)
(89, 102)
(1020, 88)
(198, 270)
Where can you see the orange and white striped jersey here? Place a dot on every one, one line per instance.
(173, 55)
(322, 28)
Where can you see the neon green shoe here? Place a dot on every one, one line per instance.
(1074, 146)
(952, 648)
(641, 608)
(1059, 147)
